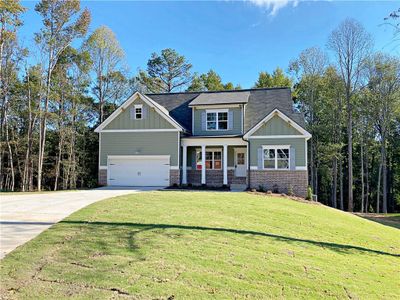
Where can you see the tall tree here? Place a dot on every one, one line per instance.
(210, 81)
(351, 45)
(166, 72)
(384, 88)
(107, 65)
(276, 79)
(61, 26)
(10, 54)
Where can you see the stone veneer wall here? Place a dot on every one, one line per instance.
(102, 177)
(213, 177)
(281, 180)
(174, 177)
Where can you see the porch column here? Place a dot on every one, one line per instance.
(203, 164)
(225, 161)
(184, 165)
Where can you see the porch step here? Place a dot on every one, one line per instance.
(238, 187)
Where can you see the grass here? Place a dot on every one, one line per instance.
(200, 245)
(385, 219)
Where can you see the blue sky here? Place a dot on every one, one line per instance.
(238, 39)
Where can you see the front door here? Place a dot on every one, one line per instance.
(240, 162)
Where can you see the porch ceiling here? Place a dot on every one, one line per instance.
(213, 141)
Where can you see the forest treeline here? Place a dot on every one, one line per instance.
(55, 93)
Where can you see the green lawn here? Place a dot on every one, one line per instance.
(200, 245)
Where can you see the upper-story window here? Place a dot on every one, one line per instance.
(217, 120)
(138, 112)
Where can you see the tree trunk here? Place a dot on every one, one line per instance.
(362, 176)
(350, 154)
(384, 177)
(378, 188)
(334, 183)
(341, 184)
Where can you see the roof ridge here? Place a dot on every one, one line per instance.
(220, 91)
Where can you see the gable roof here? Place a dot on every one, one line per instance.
(277, 112)
(260, 103)
(159, 108)
(238, 97)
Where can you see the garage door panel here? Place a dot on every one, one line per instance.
(139, 171)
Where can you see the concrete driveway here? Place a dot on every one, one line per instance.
(24, 216)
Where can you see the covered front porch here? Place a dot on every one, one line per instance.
(214, 161)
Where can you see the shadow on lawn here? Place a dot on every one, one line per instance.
(145, 227)
(384, 219)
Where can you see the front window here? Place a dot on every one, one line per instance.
(217, 120)
(276, 158)
(213, 160)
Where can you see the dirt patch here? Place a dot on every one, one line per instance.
(299, 199)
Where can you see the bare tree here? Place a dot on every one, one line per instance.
(351, 45)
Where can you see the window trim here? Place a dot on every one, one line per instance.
(138, 106)
(198, 151)
(217, 112)
(276, 147)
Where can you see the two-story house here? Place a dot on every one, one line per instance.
(244, 138)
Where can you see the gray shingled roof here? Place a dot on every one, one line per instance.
(260, 103)
(221, 98)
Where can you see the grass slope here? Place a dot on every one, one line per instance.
(206, 245)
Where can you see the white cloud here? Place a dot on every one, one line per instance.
(274, 5)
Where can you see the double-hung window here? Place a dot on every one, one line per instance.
(213, 160)
(276, 157)
(217, 120)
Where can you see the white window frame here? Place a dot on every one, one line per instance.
(138, 106)
(198, 152)
(275, 148)
(217, 112)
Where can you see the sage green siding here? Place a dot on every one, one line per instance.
(236, 129)
(139, 143)
(297, 143)
(277, 126)
(152, 120)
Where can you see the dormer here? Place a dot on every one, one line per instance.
(218, 113)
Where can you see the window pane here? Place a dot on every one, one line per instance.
(222, 116)
(283, 153)
(211, 125)
(283, 164)
(217, 155)
(269, 153)
(208, 164)
(269, 164)
(208, 155)
(217, 164)
(240, 159)
(211, 116)
(222, 125)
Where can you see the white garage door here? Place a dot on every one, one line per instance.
(138, 170)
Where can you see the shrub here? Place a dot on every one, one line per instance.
(309, 193)
(275, 189)
(261, 188)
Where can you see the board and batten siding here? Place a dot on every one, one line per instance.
(299, 144)
(236, 124)
(139, 143)
(276, 126)
(151, 119)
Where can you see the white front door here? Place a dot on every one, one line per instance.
(240, 162)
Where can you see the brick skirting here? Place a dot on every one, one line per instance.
(174, 177)
(280, 180)
(102, 177)
(213, 177)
